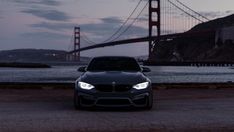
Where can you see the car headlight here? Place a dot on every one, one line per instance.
(85, 86)
(140, 86)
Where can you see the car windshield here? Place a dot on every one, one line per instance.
(113, 64)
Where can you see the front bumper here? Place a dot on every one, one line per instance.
(135, 98)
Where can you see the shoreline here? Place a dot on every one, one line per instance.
(23, 65)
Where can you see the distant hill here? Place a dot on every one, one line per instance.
(202, 47)
(215, 24)
(34, 55)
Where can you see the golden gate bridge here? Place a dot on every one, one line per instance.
(165, 17)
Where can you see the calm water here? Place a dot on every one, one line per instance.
(159, 74)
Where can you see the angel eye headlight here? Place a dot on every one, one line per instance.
(85, 86)
(140, 86)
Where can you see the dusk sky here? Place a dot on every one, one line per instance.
(48, 24)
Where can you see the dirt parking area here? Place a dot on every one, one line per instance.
(174, 110)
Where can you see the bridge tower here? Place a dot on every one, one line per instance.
(154, 22)
(76, 56)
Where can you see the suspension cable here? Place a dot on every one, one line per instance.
(193, 10)
(185, 11)
(123, 24)
(86, 39)
(129, 26)
(117, 31)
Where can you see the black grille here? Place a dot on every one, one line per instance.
(113, 102)
(111, 88)
(104, 88)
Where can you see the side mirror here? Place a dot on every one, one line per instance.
(82, 69)
(146, 69)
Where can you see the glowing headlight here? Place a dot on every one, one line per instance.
(85, 86)
(140, 86)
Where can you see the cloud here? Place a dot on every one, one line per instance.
(143, 19)
(113, 20)
(108, 26)
(104, 26)
(40, 2)
(44, 35)
(1, 14)
(54, 26)
(217, 14)
(48, 14)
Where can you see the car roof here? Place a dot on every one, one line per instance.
(113, 57)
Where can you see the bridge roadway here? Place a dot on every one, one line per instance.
(127, 41)
(174, 109)
(146, 39)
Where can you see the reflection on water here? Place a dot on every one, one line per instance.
(159, 74)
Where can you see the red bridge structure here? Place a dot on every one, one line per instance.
(165, 18)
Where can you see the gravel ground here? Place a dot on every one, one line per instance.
(174, 110)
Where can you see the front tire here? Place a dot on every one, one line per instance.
(149, 102)
(76, 101)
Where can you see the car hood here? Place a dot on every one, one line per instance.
(108, 77)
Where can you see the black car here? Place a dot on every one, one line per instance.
(113, 82)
